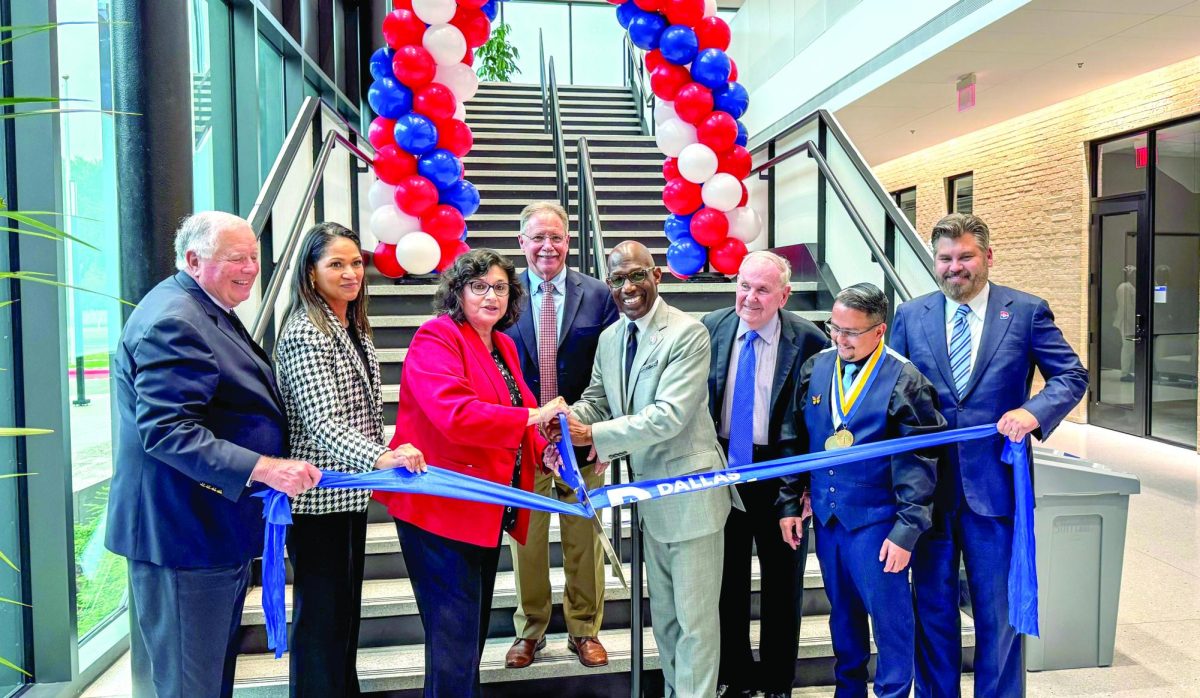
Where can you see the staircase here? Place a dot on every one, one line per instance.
(512, 163)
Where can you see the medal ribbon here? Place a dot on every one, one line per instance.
(845, 406)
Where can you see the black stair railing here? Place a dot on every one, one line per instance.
(635, 80)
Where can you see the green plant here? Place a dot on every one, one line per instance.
(498, 58)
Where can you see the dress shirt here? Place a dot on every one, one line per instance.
(643, 323)
(978, 306)
(536, 296)
(213, 298)
(765, 354)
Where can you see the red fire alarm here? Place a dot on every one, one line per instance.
(966, 92)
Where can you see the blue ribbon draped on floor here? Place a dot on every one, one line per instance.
(1022, 580)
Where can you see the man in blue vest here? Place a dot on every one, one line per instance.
(868, 515)
(979, 343)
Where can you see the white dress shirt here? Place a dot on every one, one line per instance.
(978, 306)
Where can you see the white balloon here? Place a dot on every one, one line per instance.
(722, 192)
(744, 224)
(434, 12)
(445, 42)
(663, 110)
(460, 78)
(460, 111)
(381, 194)
(697, 162)
(390, 224)
(418, 253)
(673, 135)
(710, 8)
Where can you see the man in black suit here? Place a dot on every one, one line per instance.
(757, 351)
(200, 421)
(556, 334)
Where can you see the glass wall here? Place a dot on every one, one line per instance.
(272, 119)
(12, 614)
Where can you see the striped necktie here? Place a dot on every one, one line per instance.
(548, 345)
(960, 349)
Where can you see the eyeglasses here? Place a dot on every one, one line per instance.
(541, 239)
(850, 334)
(480, 287)
(634, 277)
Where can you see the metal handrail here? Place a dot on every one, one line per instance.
(542, 84)
(635, 78)
(556, 136)
(591, 234)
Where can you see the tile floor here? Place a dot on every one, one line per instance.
(1158, 624)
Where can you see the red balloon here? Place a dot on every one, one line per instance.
(745, 195)
(694, 102)
(727, 257)
(469, 58)
(473, 24)
(381, 132)
(735, 161)
(402, 5)
(403, 27)
(393, 164)
(732, 71)
(415, 195)
(444, 223)
(671, 169)
(685, 12)
(649, 5)
(472, 3)
(709, 226)
(666, 79)
(617, 2)
(455, 136)
(436, 101)
(681, 197)
(451, 251)
(384, 259)
(718, 131)
(654, 59)
(413, 65)
(713, 32)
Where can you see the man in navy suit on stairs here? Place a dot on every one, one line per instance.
(978, 343)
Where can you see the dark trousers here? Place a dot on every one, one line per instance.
(782, 588)
(189, 620)
(858, 588)
(985, 543)
(453, 583)
(327, 553)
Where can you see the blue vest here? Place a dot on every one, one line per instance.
(859, 493)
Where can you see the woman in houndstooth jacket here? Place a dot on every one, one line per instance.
(329, 377)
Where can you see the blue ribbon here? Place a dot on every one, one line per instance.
(1022, 569)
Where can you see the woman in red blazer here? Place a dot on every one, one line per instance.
(464, 404)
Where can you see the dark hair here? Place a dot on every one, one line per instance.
(306, 298)
(468, 267)
(865, 298)
(956, 225)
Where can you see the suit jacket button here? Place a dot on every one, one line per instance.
(831, 471)
(833, 505)
(833, 489)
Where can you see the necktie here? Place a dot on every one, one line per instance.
(960, 349)
(630, 350)
(548, 344)
(848, 371)
(241, 329)
(741, 416)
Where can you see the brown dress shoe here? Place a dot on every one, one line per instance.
(591, 652)
(521, 654)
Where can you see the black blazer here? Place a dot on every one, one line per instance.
(798, 340)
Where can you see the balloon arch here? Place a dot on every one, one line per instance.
(423, 77)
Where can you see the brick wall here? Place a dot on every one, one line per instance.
(1031, 184)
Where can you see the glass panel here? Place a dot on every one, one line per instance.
(90, 196)
(272, 125)
(1174, 311)
(962, 194)
(12, 626)
(526, 18)
(1121, 167)
(795, 192)
(1118, 281)
(203, 192)
(907, 202)
(597, 53)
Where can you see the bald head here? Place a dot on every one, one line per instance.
(633, 279)
(630, 250)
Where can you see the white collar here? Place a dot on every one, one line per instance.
(978, 304)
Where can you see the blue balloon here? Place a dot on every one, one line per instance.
(677, 226)
(685, 256)
(381, 64)
(679, 44)
(440, 167)
(711, 68)
(731, 98)
(389, 98)
(646, 29)
(490, 8)
(743, 136)
(626, 13)
(463, 196)
(415, 133)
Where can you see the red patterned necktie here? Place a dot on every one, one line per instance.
(548, 344)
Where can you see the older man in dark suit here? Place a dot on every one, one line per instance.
(757, 351)
(561, 319)
(200, 419)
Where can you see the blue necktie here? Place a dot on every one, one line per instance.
(960, 349)
(741, 427)
(848, 372)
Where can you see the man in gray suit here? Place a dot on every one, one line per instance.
(648, 402)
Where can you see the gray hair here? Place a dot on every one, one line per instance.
(956, 225)
(865, 298)
(540, 207)
(780, 263)
(198, 233)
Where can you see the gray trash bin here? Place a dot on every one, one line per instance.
(1080, 519)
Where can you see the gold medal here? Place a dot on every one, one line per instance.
(841, 438)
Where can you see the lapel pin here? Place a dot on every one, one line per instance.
(1004, 314)
(654, 339)
(816, 399)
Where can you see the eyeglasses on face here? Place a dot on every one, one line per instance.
(480, 287)
(850, 334)
(541, 239)
(634, 277)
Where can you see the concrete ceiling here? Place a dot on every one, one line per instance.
(1024, 61)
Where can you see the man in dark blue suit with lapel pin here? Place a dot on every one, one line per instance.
(757, 351)
(979, 343)
(556, 333)
(867, 515)
(200, 421)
